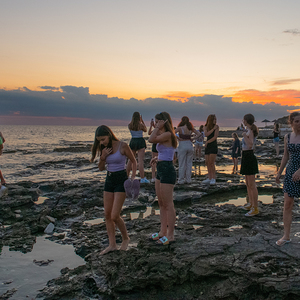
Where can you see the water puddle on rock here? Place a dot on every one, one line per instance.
(239, 201)
(142, 214)
(197, 226)
(41, 200)
(234, 227)
(28, 273)
(94, 221)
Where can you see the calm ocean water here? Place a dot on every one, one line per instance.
(48, 153)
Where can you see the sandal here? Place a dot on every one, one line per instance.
(162, 241)
(282, 242)
(154, 237)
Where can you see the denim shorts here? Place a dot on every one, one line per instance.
(166, 172)
(276, 140)
(114, 181)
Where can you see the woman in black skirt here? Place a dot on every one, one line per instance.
(249, 166)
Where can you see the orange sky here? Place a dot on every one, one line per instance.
(283, 97)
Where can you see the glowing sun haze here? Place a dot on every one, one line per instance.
(171, 49)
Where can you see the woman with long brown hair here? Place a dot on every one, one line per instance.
(113, 154)
(211, 131)
(185, 150)
(249, 165)
(137, 143)
(164, 136)
(291, 185)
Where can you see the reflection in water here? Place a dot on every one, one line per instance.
(196, 170)
(266, 199)
(26, 276)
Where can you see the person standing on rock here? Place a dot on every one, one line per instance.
(249, 165)
(291, 185)
(185, 149)
(3, 189)
(164, 136)
(211, 131)
(236, 152)
(154, 151)
(138, 143)
(113, 154)
(276, 133)
(199, 143)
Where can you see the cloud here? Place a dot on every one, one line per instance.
(47, 87)
(285, 81)
(77, 103)
(292, 31)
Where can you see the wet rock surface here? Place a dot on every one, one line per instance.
(218, 254)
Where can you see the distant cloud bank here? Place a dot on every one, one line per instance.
(76, 103)
(292, 31)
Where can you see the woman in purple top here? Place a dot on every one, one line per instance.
(113, 154)
(164, 136)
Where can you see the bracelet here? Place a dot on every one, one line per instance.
(102, 159)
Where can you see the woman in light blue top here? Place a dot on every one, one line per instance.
(138, 143)
(164, 136)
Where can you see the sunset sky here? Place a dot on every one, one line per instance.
(86, 62)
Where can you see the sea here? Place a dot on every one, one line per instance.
(49, 153)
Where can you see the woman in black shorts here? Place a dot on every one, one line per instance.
(113, 154)
(249, 166)
(211, 131)
(153, 150)
(137, 143)
(164, 136)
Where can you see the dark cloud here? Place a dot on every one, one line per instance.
(292, 31)
(77, 102)
(47, 87)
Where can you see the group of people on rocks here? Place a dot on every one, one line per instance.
(118, 158)
(114, 153)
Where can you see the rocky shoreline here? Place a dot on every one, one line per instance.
(218, 254)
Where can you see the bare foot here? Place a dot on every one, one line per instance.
(124, 244)
(108, 249)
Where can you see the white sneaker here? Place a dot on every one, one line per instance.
(213, 181)
(153, 180)
(3, 191)
(206, 181)
(144, 180)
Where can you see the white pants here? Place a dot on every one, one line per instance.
(185, 161)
